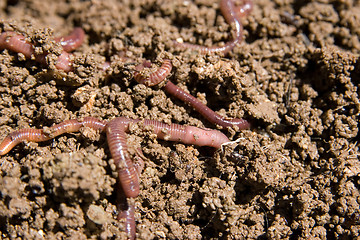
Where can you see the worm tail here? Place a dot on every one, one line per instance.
(206, 112)
(126, 211)
(14, 138)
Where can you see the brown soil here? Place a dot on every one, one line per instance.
(296, 76)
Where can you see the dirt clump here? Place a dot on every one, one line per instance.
(295, 76)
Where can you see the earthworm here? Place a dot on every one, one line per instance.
(63, 62)
(205, 111)
(232, 15)
(187, 134)
(175, 132)
(116, 137)
(126, 211)
(127, 174)
(37, 135)
(94, 123)
(154, 78)
(16, 42)
(40, 135)
(73, 40)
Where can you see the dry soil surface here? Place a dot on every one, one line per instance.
(294, 175)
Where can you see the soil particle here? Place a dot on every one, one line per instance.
(295, 76)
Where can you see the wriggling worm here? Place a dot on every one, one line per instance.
(17, 43)
(160, 76)
(232, 15)
(40, 135)
(205, 111)
(73, 40)
(155, 77)
(116, 139)
(115, 130)
(125, 205)
(128, 171)
(126, 211)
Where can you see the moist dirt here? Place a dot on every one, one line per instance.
(296, 76)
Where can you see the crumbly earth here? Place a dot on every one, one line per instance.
(296, 76)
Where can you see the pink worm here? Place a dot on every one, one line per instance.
(39, 135)
(160, 76)
(155, 77)
(73, 40)
(205, 111)
(116, 138)
(128, 172)
(126, 212)
(232, 15)
(17, 43)
(126, 209)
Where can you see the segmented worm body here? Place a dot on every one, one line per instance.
(160, 76)
(205, 111)
(116, 138)
(128, 172)
(128, 175)
(187, 134)
(17, 43)
(155, 77)
(73, 40)
(125, 206)
(126, 211)
(232, 15)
